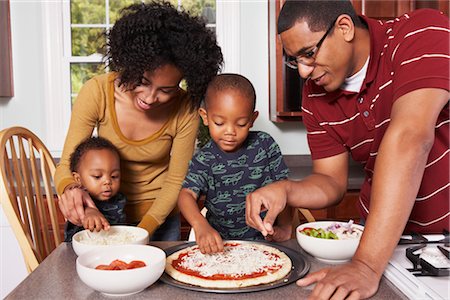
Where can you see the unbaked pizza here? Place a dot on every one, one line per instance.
(239, 265)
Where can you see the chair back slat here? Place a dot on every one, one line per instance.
(45, 224)
(17, 179)
(40, 222)
(27, 159)
(48, 170)
(9, 180)
(28, 194)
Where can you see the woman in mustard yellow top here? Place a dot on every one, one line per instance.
(141, 109)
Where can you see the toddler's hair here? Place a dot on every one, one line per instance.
(91, 143)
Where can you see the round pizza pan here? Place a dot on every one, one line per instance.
(300, 267)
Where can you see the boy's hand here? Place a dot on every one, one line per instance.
(94, 220)
(208, 240)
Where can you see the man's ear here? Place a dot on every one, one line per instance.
(346, 27)
(77, 177)
(204, 115)
(254, 116)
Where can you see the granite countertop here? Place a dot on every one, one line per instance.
(56, 278)
(300, 166)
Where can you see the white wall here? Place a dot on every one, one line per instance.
(12, 266)
(26, 108)
(255, 66)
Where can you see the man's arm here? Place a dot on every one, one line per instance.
(325, 187)
(399, 167)
(398, 172)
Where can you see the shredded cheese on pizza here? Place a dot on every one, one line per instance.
(235, 261)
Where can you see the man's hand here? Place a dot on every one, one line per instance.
(94, 220)
(280, 233)
(208, 239)
(273, 198)
(72, 203)
(354, 280)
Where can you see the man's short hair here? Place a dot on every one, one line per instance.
(317, 14)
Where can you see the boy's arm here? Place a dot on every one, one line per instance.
(208, 239)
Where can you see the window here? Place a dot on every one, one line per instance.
(73, 50)
(90, 19)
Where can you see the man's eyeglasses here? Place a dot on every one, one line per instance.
(309, 57)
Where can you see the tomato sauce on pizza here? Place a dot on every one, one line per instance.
(240, 264)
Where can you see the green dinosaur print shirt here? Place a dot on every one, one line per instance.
(226, 178)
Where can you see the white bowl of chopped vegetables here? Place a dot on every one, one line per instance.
(86, 240)
(330, 241)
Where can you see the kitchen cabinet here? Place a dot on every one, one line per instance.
(346, 210)
(285, 83)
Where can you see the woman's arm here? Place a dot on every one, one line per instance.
(181, 153)
(85, 114)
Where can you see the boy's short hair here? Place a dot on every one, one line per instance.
(231, 81)
(91, 143)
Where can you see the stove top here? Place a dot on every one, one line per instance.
(415, 271)
(429, 260)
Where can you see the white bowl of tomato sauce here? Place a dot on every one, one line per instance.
(330, 241)
(121, 270)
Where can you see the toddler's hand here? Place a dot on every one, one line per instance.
(94, 220)
(208, 240)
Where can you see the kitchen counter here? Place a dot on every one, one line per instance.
(56, 278)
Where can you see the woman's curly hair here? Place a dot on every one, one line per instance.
(150, 35)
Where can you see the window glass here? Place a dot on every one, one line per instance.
(87, 12)
(88, 41)
(115, 7)
(80, 73)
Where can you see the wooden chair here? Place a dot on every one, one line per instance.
(27, 194)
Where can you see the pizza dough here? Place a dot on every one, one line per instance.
(239, 265)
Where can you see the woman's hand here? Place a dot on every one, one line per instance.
(94, 220)
(72, 203)
(208, 239)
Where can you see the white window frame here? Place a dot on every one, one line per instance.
(57, 59)
(228, 28)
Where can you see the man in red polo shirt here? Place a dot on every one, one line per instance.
(377, 90)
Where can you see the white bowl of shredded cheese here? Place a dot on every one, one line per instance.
(86, 240)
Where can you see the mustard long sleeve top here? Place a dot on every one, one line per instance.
(152, 169)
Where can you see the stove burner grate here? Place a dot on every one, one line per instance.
(422, 267)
